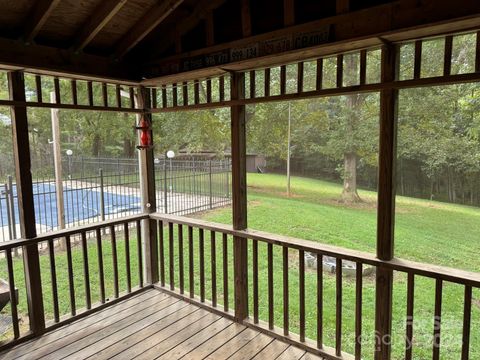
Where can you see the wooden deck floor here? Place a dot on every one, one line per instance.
(154, 325)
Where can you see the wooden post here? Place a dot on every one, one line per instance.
(147, 188)
(239, 195)
(21, 151)
(386, 205)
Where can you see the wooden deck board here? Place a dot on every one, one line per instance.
(153, 325)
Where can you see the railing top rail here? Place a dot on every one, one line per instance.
(10, 244)
(433, 271)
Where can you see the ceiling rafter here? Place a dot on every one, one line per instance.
(39, 15)
(200, 12)
(101, 16)
(149, 21)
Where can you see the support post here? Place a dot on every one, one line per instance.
(147, 188)
(21, 152)
(386, 204)
(239, 195)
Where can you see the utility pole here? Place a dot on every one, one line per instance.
(57, 160)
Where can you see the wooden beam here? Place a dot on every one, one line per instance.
(46, 60)
(148, 194)
(246, 19)
(239, 195)
(21, 152)
(100, 17)
(36, 19)
(386, 204)
(199, 12)
(288, 12)
(403, 27)
(149, 21)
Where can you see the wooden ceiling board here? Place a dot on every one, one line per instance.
(13, 15)
(66, 20)
(121, 23)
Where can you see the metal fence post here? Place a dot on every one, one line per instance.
(11, 200)
(165, 190)
(102, 196)
(210, 183)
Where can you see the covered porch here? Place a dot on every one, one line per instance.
(156, 285)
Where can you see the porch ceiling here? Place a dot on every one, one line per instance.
(178, 39)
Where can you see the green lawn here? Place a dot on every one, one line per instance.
(425, 231)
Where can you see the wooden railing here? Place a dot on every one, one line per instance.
(95, 265)
(291, 251)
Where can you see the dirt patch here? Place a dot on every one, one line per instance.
(476, 302)
(362, 205)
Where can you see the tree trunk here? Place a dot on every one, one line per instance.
(350, 193)
(96, 146)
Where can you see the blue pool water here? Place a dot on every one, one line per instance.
(80, 204)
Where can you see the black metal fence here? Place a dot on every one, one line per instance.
(95, 190)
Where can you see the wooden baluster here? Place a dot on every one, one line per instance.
(180, 257)
(38, 86)
(191, 268)
(467, 314)
(477, 53)
(13, 294)
(73, 85)
(363, 67)
(161, 245)
(213, 266)
(196, 90)
(164, 96)
(71, 283)
(358, 310)
(300, 66)
(118, 95)
(338, 315)
(319, 301)
(90, 93)
(271, 300)
(126, 231)
(185, 93)
(319, 78)
(267, 82)
(255, 280)
(86, 271)
(221, 88)
(253, 84)
(283, 80)
(301, 285)
(175, 95)
(104, 95)
(409, 325)
(139, 253)
(53, 278)
(56, 84)
(285, 292)
(225, 272)
(113, 239)
(437, 319)
(131, 91)
(201, 249)
(153, 97)
(340, 70)
(209, 91)
(171, 260)
(447, 60)
(417, 67)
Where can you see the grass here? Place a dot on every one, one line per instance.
(426, 231)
